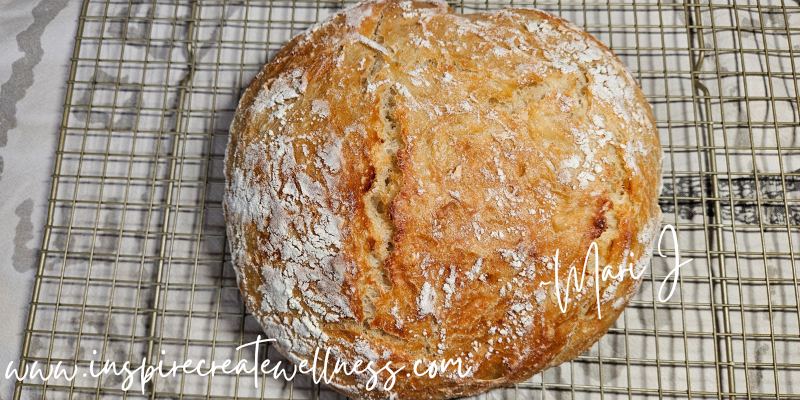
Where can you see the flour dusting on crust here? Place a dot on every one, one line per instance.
(400, 177)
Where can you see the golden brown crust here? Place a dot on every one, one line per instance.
(400, 177)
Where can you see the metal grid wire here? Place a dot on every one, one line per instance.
(134, 261)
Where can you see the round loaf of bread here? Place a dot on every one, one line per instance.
(403, 182)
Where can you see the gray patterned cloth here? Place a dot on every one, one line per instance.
(36, 41)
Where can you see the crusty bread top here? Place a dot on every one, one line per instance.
(400, 177)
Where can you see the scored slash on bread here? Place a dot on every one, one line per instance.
(399, 178)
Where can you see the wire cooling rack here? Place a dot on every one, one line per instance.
(134, 261)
